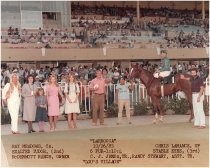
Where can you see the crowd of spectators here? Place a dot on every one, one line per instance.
(95, 34)
(84, 74)
(192, 40)
(87, 72)
(155, 23)
(81, 9)
(45, 36)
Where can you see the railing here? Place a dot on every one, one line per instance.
(139, 93)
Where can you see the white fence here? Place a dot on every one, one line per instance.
(139, 93)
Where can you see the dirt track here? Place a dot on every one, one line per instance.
(133, 142)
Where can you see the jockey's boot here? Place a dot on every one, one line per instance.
(162, 80)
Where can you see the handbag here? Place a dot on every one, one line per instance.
(61, 100)
(8, 93)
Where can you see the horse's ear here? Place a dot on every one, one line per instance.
(134, 65)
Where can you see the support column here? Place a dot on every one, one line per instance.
(138, 11)
(203, 9)
(195, 5)
(70, 15)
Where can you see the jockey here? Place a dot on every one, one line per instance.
(165, 66)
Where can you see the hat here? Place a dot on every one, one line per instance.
(37, 77)
(15, 70)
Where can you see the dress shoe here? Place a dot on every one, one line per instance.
(15, 132)
(94, 124)
(31, 131)
(202, 127)
(103, 124)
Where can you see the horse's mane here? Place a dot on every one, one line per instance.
(147, 72)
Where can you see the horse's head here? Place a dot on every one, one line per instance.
(134, 73)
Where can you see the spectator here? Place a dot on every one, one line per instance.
(11, 96)
(29, 109)
(72, 100)
(52, 91)
(123, 98)
(98, 87)
(37, 82)
(41, 110)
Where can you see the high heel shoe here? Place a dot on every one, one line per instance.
(15, 132)
(31, 131)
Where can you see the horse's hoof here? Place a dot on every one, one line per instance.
(155, 122)
(190, 119)
(161, 121)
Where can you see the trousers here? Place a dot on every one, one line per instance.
(121, 104)
(199, 114)
(98, 104)
(13, 107)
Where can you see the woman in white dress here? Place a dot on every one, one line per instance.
(11, 94)
(72, 99)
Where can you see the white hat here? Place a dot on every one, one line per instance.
(15, 70)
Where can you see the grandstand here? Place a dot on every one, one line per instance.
(63, 31)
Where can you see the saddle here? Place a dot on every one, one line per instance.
(166, 80)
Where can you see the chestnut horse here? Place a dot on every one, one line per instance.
(153, 87)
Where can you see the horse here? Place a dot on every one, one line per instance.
(153, 87)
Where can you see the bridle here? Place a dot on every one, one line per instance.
(148, 84)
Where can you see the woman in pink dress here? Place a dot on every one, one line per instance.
(52, 92)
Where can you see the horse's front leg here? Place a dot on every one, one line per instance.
(160, 110)
(154, 101)
(189, 97)
(191, 115)
(191, 110)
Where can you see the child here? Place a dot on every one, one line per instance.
(41, 111)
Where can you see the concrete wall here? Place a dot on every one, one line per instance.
(8, 54)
